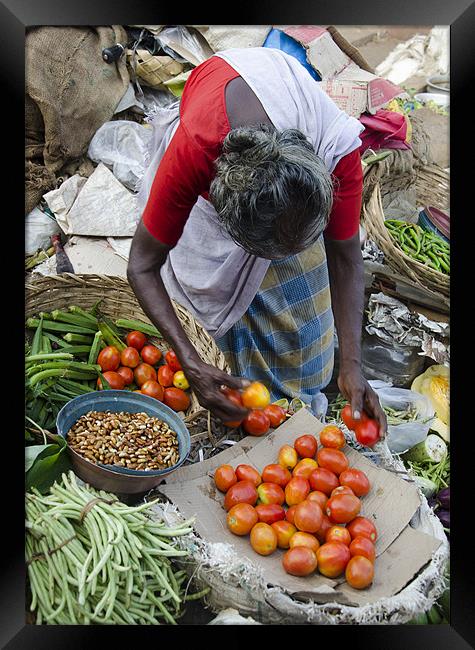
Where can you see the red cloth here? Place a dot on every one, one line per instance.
(187, 167)
(385, 129)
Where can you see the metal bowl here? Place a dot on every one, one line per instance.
(121, 480)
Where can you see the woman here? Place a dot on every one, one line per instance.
(251, 221)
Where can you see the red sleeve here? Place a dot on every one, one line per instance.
(184, 173)
(348, 182)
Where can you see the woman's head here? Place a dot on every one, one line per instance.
(272, 193)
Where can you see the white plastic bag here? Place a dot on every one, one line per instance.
(401, 437)
(122, 145)
(39, 227)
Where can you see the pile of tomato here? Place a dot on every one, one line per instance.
(309, 504)
(138, 365)
(262, 414)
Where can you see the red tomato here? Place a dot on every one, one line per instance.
(240, 492)
(276, 474)
(359, 572)
(248, 473)
(342, 489)
(233, 396)
(308, 516)
(323, 480)
(115, 381)
(356, 480)
(343, 508)
(304, 539)
(332, 459)
(332, 437)
(224, 477)
(152, 389)
(270, 512)
(361, 526)
(136, 340)
(151, 354)
(176, 399)
(296, 490)
(289, 515)
(143, 372)
(165, 375)
(306, 446)
(241, 518)
(318, 497)
(256, 423)
(127, 375)
(276, 415)
(255, 396)
(305, 467)
(333, 558)
(338, 534)
(347, 417)
(324, 528)
(288, 457)
(270, 493)
(173, 361)
(363, 546)
(367, 432)
(285, 531)
(263, 539)
(300, 561)
(129, 357)
(109, 358)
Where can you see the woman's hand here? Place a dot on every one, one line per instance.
(206, 381)
(362, 397)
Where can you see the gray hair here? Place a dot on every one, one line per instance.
(272, 193)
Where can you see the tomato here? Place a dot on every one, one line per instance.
(263, 539)
(143, 372)
(367, 432)
(306, 446)
(241, 518)
(300, 561)
(152, 389)
(289, 515)
(233, 396)
(256, 423)
(304, 539)
(109, 358)
(363, 546)
(248, 473)
(343, 508)
(127, 374)
(176, 399)
(347, 417)
(276, 415)
(338, 534)
(276, 474)
(305, 467)
(342, 489)
(136, 340)
(165, 375)
(240, 492)
(359, 572)
(323, 480)
(285, 531)
(361, 526)
(172, 360)
(324, 528)
(332, 437)
(288, 457)
(270, 512)
(296, 490)
(318, 497)
(256, 396)
(270, 493)
(308, 516)
(224, 477)
(130, 357)
(180, 380)
(151, 354)
(333, 558)
(332, 459)
(356, 480)
(115, 381)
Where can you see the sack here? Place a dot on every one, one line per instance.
(39, 227)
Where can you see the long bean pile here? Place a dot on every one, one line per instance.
(423, 246)
(92, 559)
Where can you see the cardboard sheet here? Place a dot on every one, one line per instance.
(401, 550)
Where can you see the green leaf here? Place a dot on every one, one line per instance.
(34, 452)
(46, 465)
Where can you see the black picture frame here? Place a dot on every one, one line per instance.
(15, 16)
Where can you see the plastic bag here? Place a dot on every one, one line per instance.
(390, 362)
(39, 227)
(122, 146)
(401, 437)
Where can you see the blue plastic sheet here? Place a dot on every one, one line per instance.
(277, 39)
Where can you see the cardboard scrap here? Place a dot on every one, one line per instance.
(401, 551)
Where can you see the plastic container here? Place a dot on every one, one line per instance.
(441, 99)
(121, 480)
(439, 83)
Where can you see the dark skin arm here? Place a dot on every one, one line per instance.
(346, 271)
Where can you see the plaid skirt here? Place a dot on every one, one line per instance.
(286, 337)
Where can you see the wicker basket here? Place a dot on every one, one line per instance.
(431, 185)
(118, 301)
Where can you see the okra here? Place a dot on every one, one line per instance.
(131, 324)
(46, 346)
(85, 314)
(95, 347)
(55, 326)
(58, 372)
(48, 355)
(55, 339)
(110, 338)
(77, 338)
(37, 338)
(77, 349)
(74, 319)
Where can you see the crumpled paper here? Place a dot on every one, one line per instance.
(371, 252)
